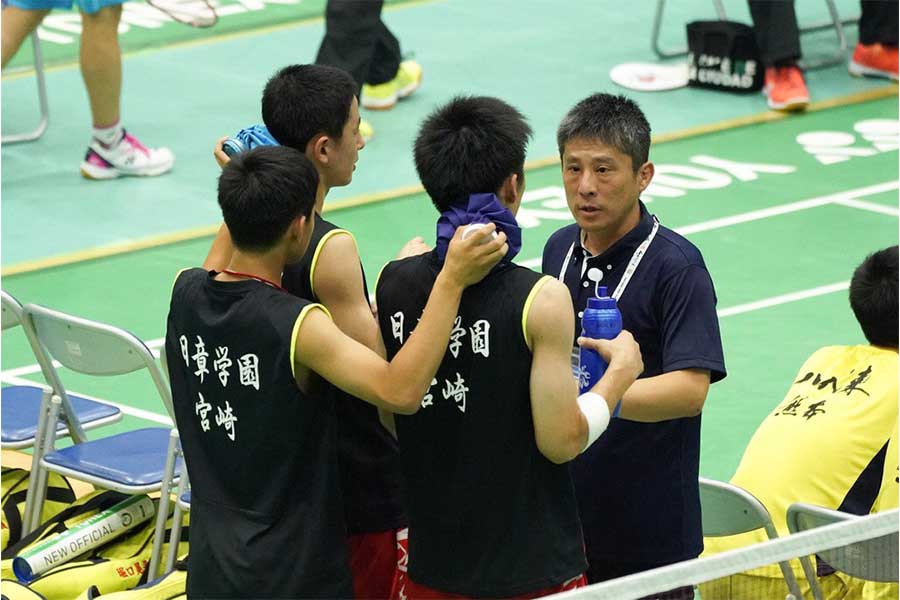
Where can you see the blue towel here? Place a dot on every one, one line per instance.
(480, 208)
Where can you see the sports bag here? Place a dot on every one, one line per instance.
(14, 484)
(723, 55)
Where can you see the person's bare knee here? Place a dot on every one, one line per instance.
(17, 24)
(106, 18)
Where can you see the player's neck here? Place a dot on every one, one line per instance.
(267, 266)
(321, 192)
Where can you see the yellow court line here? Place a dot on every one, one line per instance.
(212, 39)
(366, 199)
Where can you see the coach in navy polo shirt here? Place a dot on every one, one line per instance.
(637, 486)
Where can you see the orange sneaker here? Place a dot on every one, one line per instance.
(874, 60)
(785, 88)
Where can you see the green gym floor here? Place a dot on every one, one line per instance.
(782, 208)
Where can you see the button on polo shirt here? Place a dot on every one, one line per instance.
(637, 485)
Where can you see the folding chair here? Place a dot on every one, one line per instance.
(182, 504)
(727, 509)
(870, 560)
(131, 462)
(20, 404)
(42, 98)
(835, 22)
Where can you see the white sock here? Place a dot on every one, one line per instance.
(109, 136)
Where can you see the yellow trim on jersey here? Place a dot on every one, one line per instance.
(296, 329)
(525, 310)
(315, 259)
(380, 271)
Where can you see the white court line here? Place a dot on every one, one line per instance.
(784, 299)
(765, 213)
(863, 205)
(128, 410)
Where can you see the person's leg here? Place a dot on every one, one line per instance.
(385, 56)
(876, 53)
(878, 22)
(777, 32)
(351, 27)
(16, 25)
(778, 38)
(101, 64)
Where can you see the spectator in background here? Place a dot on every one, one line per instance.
(827, 442)
(778, 37)
(112, 152)
(357, 41)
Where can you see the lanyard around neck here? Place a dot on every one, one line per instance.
(629, 270)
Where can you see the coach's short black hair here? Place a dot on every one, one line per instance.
(301, 101)
(615, 121)
(873, 297)
(470, 146)
(262, 191)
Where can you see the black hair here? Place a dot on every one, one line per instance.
(469, 146)
(300, 101)
(262, 191)
(873, 297)
(613, 120)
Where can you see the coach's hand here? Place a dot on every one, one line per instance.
(470, 259)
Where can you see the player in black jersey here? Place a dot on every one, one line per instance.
(491, 505)
(315, 110)
(244, 357)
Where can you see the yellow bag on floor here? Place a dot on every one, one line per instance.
(170, 586)
(14, 488)
(117, 566)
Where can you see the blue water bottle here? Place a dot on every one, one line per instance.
(601, 321)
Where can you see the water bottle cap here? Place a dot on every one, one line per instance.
(603, 292)
(604, 302)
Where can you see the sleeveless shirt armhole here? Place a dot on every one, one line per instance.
(296, 330)
(380, 271)
(315, 258)
(527, 307)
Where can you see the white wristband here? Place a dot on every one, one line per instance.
(595, 410)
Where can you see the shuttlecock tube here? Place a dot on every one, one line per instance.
(89, 534)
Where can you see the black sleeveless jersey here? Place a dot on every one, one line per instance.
(261, 453)
(489, 515)
(367, 454)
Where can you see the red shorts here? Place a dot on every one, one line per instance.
(373, 563)
(407, 589)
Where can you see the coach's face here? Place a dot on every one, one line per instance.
(602, 188)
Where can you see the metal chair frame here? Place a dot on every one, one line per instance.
(37, 132)
(123, 353)
(802, 517)
(727, 509)
(835, 23)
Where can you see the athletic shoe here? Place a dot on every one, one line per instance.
(128, 157)
(366, 130)
(384, 96)
(785, 88)
(874, 60)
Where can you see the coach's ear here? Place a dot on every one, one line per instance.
(645, 175)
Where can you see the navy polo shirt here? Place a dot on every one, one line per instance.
(637, 485)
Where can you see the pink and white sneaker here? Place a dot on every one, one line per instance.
(128, 157)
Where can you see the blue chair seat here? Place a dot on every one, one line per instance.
(19, 413)
(134, 458)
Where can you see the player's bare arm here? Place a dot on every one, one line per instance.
(399, 386)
